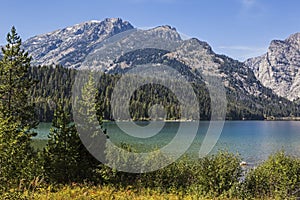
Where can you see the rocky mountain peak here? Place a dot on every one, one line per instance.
(276, 43)
(204, 45)
(294, 40)
(166, 31)
(279, 68)
(70, 45)
(166, 27)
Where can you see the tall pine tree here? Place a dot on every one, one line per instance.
(65, 157)
(88, 122)
(15, 83)
(16, 114)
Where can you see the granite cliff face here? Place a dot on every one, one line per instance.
(279, 68)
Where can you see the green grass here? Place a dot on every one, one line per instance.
(89, 192)
(82, 192)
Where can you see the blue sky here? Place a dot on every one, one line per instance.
(238, 28)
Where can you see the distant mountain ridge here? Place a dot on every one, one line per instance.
(78, 47)
(69, 46)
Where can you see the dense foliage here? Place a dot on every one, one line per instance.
(278, 177)
(55, 82)
(51, 84)
(217, 176)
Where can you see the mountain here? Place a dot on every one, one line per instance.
(279, 68)
(69, 46)
(193, 58)
(114, 46)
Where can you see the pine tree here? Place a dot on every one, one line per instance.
(15, 83)
(17, 157)
(65, 157)
(16, 115)
(88, 121)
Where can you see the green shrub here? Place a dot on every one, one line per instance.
(177, 177)
(277, 177)
(218, 174)
(214, 175)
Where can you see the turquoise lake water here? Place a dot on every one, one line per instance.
(253, 140)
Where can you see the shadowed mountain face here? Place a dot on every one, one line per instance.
(279, 68)
(114, 46)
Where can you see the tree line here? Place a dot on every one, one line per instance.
(53, 83)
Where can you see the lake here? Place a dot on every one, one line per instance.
(253, 140)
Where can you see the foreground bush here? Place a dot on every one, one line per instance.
(277, 177)
(212, 176)
(218, 175)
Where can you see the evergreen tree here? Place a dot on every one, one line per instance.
(17, 157)
(16, 115)
(15, 83)
(88, 121)
(65, 157)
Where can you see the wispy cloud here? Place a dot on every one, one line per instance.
(241, 52)
(248, 3)
(243, 48)
(153, 1)
(252, 8)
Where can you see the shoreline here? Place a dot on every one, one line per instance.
(282, 119)
(229, 120)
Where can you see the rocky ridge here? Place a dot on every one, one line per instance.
(279, 68)
(70, 45)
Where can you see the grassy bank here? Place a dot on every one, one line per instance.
(213, 177)
(85, 192)
(104, 193)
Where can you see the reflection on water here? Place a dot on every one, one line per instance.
(253, 140)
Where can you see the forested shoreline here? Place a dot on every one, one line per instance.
(54, 83)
